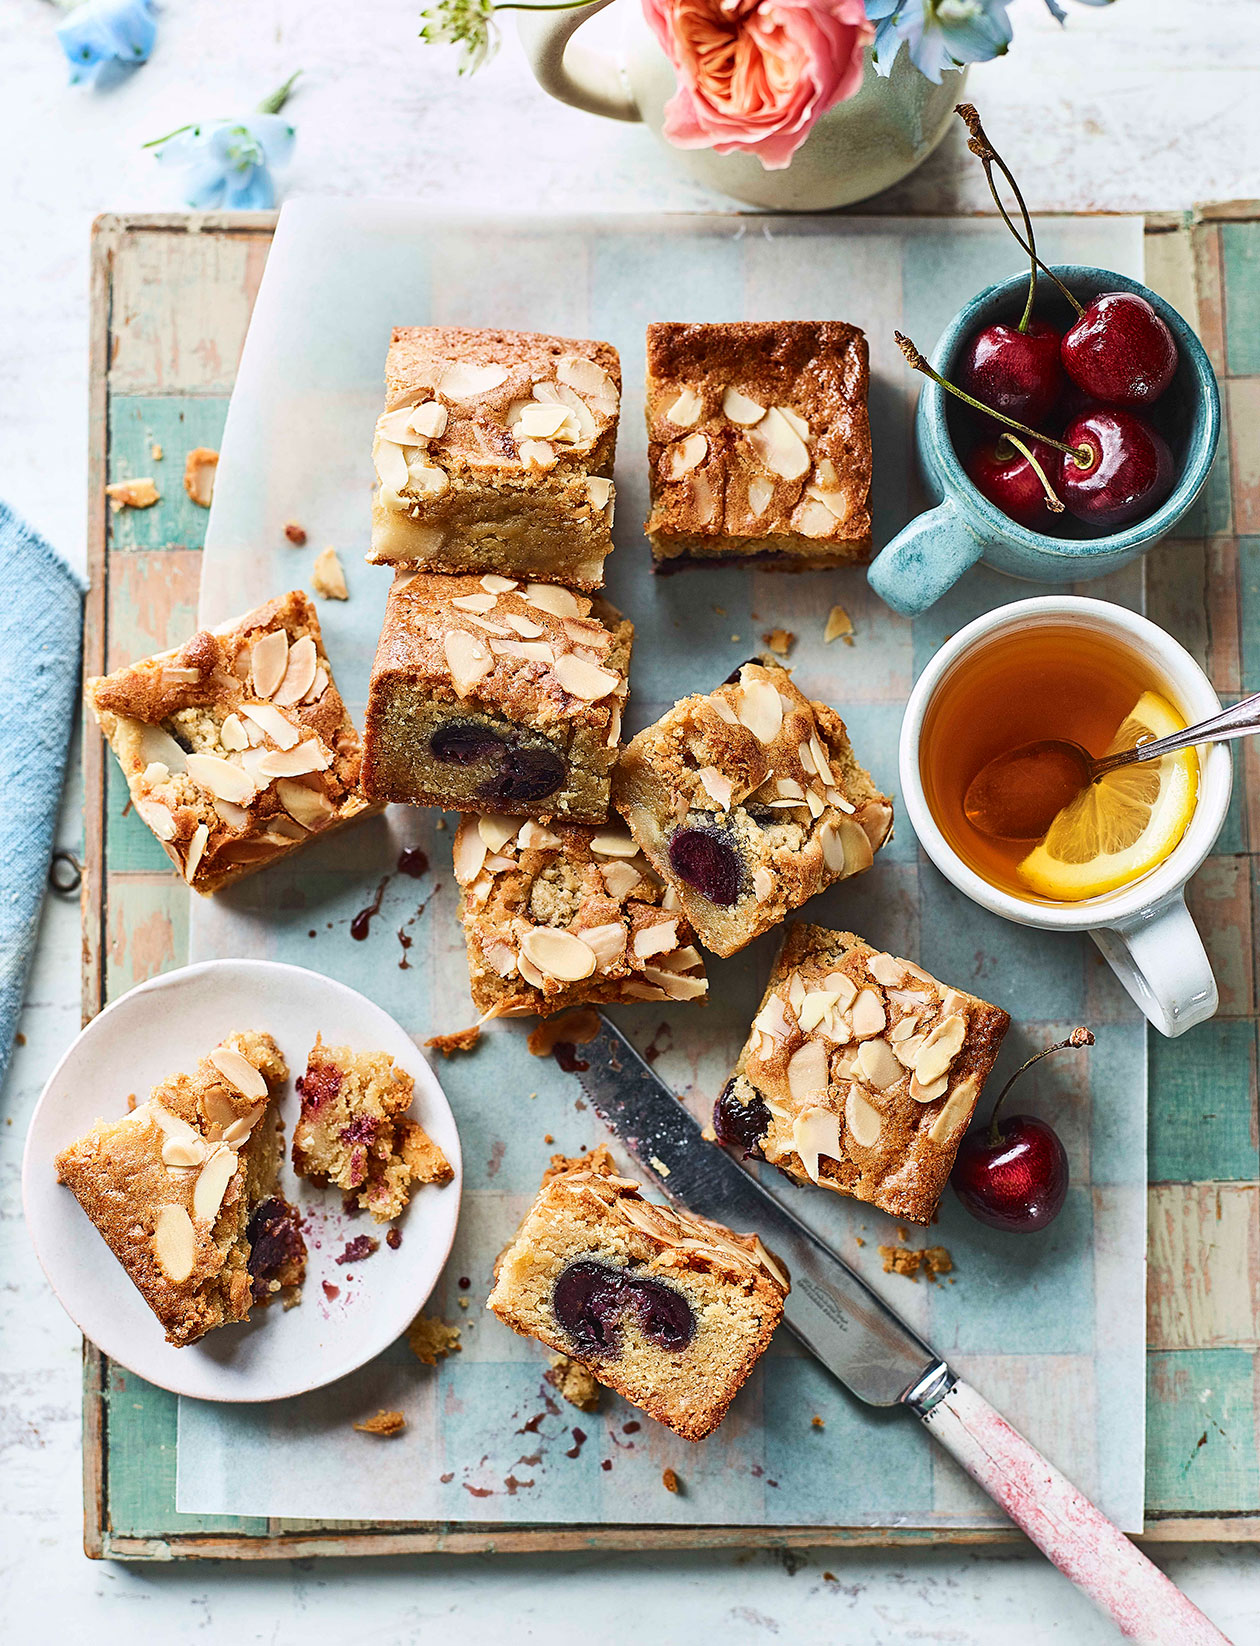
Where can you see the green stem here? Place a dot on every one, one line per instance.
(158, 141)
(279, 97)
(1080, 455)
(1075, 1041)
(1052, 498)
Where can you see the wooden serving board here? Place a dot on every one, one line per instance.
(171, 301)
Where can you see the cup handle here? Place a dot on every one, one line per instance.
(584, 79)
(1159, 957)
(924, 560)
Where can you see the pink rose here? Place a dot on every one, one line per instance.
(755, 74)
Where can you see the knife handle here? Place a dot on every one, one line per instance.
(1080, 1540)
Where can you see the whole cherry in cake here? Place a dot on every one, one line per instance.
(1013, 1173)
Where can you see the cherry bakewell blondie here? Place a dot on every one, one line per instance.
(495, 454)
(353, 1130)
(861, 1073)
(667, 1309)
(180, 1187)
(559, 916)
(747, 802)
(759, 444)
(491, 694)
(237, 747)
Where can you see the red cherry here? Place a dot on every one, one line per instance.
(1016, 372)
(1121, 350)
(1130, 472)
(1001, 471)
(1013, 1175)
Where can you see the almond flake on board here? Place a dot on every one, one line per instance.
(327, 577)
(200, 468)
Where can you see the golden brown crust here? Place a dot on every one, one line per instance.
(759, 443)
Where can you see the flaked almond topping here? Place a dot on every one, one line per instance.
(821, 761)
(741, 409)
(549, 597)
(814, 1008)
(278, 727)
(817, 805)
(309, 807)
(268, 661)
(614, 843)
(238, 1072)
(807, 1072)
(886, 970)
(396, 427)
(475, 602)
(686, 455)
(676, 986)
(717, 786)
(532, 651)
(844, 986)
(183, 1151)
(429, 419)
(657, 939)
(196, 850)
(494, 584)
(586, 632)
(815, 1132)
(470, 853)
(789, 788)
(878, 1065)
(760, 491)
(496, 831)
(862, 1119)
(200, 467)
(928, 1094)
(589, 379)
(318, 686)
(467, 658)
(558, 953)
(429, 479)
(160, 818)
(779, 446)
(703, 497)
(500, 957)
(464, 380)
(796, 992)
(585, 680)
(212, 1182)
(772, 1020)
(759, 707)
(169, 1124)
(794, 420)
(906, 1048)
(537, 454)
(620, 878)
(682, 960)
(671, 900)
(685, 410)
(763, 884)
(310, 756)
(232, 735)
(524, 626)
(220, 777)
(940, 1049)
(903, 1029)
(867, 1014)
(606, 942)
(236, 1132)
(391, 465)
(956, 1112)
(487, 625)
(812, 518)
(839, 626)
(533, 837)
(539, 421)
(722, 709)
(175, 1243)
(600, 490)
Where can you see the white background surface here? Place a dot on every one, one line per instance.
(1147, 104)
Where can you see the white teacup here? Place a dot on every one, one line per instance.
(1144, 930)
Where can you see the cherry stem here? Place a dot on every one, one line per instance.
(1080, 455)
(988, 156)
(1052, 497)
(1075, 1041)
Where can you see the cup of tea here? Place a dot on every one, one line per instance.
(1116, 860)
(930, 554)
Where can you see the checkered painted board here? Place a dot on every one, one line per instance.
(171, 309)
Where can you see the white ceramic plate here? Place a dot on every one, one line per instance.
(349, 1312)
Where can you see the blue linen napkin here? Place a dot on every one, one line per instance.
(41, 633)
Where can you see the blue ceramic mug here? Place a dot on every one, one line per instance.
(935, 549)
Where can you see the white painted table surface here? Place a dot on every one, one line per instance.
(1148, 104)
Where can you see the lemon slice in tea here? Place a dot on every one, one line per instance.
(1120, 827)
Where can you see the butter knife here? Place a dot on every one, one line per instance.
(878, 1357)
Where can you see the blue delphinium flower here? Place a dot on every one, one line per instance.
(229, 161)
(107, 31)
(939, 34)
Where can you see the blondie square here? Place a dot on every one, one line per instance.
(353, 1130)
(759, 444)
(237, 747)
(561, 916)
(749, 801)
(183, 1190)
(489, 694)
(669, 1310)
(861, 1072)
(495, 454)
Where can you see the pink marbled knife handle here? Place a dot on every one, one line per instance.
(1065, 1525)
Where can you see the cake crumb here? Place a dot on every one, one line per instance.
(200, 467)
(432, 1340)
(575, 1027)
(839, 626)
(817, 1422)
(294, 532)
(463, 1302)
(462, 1040)
(394, 1239)
(156, 452)
(670, 1481)
(780, 641)
(132, 494)
(384, 1423)
(909, 1260)
(658, 1166)
(131, 1102)
(858, 1240)
(574, 1383)
(362, 1246)
(327, 578)
(708, 1134)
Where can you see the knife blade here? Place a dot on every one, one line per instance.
(874, 1353)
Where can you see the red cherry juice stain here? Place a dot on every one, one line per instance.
(497, 1151)
(661, 1041)
(413, 861)
(631, 1428)
(514, 1485)
(446, 1479)
(362, 922)
(479, 1491)
(565, 1054)
(606, 1464)
(331, 1292)
(579, 1440)
(404, 965)
(531, 1424)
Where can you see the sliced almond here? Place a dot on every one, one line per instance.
(585, 680)
(812, 518)
(905, 1048)
(530, 972)
(760, 708)
(183, 1151)
(794, 420)
(212, 1182)
(196, 850)
(763, 884)
(310, 807)
(940, 1049)
(318, 686)
(957, 1111)
(463, 380)
(886, 970)
(814, 1008)
(550, 598)
(590, 380)
(469, 854)
(558, 954)
(236, 1132)
(867, 1014)
(160, 818)
(524, 626)
(839, 626)
(537, 454)
(468, 659)
(862, 1119)
(496, 831)
(532, 651)
(703, 497)
(620, 878)
(815, 1132)
(539, 421)
(239, 1072)
(175, 1243)
(857, 848)
(223, 778)
(675, 986)
(656, 939)
(600, 490)
(278, 727)
(741, 409)
(686, 455)
(928, 1094)
(232, 734)
(531, 836)
(429, 419)
(778, 445)
(494, 584)
(685, 410)
(878, 1065)
(310, 756)
(796, 993)
(717, 786)
(607, 943)
(682, 960)
(807, 1074)
(614, 843)
(170, 1125)
(268, 661)
(391, 464)
(760, 491)
(475, 602)
(428, 479)
(722, 709)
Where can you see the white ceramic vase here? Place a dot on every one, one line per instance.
(857, 149)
